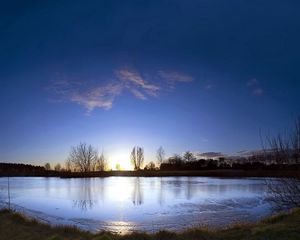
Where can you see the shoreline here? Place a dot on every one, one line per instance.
(224, 173)
(127, 226)
(14, 225)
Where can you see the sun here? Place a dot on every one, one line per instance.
(120, 160)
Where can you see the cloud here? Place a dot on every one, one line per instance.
(134, 77)
(102, 97)
(136, 84)
(173, 76)
(60, 87)
(138, 94)
(92, 96)
(211, 155)
(248, 153)
(255, 87)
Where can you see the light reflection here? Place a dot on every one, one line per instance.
(128, 203)
(86, 193)
(137, 194)
(85, 201)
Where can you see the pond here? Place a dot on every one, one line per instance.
(125, 204)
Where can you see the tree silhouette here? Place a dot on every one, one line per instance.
(285, 192)
(47, 167)
(68, 165)
(101, 164)
(137, 157)
(83, 157)
(188, 156)
(150, 166)
(57, 167)
(160, 155)
(175, 159)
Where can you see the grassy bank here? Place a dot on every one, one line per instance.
(17, 227)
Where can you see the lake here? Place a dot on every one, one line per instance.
(124, 204)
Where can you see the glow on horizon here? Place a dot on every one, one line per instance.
(121, 157)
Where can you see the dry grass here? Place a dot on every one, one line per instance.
(14, 226)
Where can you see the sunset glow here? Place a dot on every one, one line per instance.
(121, 157)
(150, 119)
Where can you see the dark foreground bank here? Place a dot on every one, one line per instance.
(16, 226)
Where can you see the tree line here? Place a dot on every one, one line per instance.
(280, 152)
(86, 158)
(7, 169)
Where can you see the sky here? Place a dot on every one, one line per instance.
(200, 75)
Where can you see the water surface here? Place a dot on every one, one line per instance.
(124, 204)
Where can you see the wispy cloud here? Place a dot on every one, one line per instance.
(102, 97)
(174, 76)
(136, 83)
(254, 85)
(138, 94)
(212, 155)
(135, 77)
(92, 96)
(249, 153)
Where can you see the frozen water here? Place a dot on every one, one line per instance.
(124, 204)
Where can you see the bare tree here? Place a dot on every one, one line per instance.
(101, 164)
(68, 165)
(83, 157)
(176, 159)
(284, 193)
(188, 156)
(137, 157)
(57, 167)
(295, 142)
(285, 149)
(279, 148)
(160, 155)
(150, 166)
(47, 167)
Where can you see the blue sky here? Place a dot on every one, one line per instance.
(204, 76)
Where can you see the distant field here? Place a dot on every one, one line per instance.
(17, 227)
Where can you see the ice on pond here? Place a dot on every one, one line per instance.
(124, 204)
